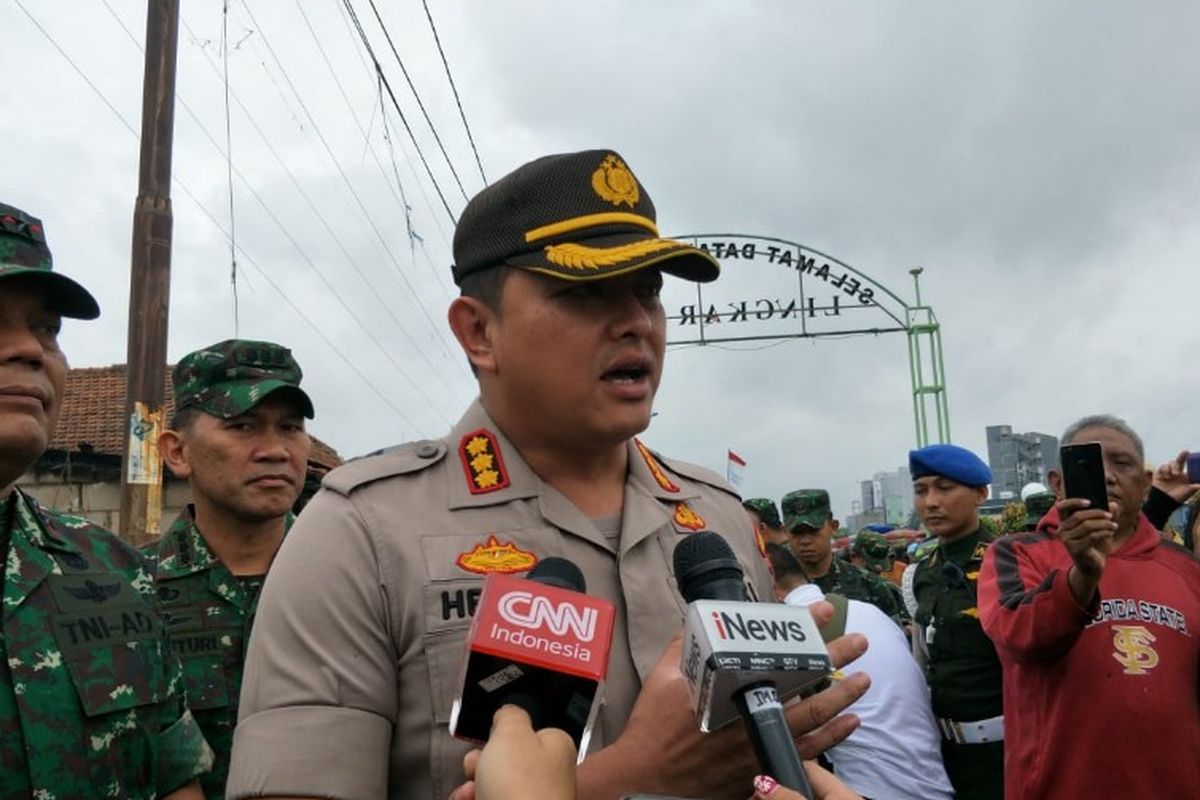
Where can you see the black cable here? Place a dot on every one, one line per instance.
(362, 35)
(229, 165)
(433, 129)
(433, 326)
(457, 100)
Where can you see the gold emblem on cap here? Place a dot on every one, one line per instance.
(613, 181)
(580, 257)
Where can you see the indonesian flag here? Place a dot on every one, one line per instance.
(735, 469)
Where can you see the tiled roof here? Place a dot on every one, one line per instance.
(94, 408)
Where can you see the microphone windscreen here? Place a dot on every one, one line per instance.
(558, 572)
(702, 559)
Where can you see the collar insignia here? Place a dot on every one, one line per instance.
(655, 469)
(482, 463)
(980, 550)
(496, 556)
(613, 181)
(686, 518)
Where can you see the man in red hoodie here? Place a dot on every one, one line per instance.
(1097, 623)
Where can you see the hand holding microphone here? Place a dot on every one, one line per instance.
(519, 762)
(737, 653)
(538, 643)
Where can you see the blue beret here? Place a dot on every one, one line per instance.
(949, 461)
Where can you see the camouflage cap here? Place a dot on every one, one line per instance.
(1037, 505)
(231, 377)
(766, 510)
(806, 507)
(23, 251)
(575, 216)
(873, 549)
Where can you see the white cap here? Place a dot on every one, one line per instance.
(1031, 489)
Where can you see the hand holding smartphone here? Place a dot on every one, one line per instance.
(1083, 473)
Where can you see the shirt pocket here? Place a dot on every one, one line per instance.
(120, 683)
(444, 662)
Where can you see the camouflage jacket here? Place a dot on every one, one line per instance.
(91, 700)
(856, 583)
(208, 614)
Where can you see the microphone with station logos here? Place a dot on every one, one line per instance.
(540, 643)
(742, 658)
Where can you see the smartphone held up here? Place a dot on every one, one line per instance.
(1083, 473)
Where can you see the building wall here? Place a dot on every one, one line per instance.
(99, 502)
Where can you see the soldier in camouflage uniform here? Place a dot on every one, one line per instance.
(764, 516)
(91, 699)
(1037, 506)
(872, 552)
(238, 438)
(809, 521)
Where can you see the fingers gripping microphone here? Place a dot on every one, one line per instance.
(737, 655)
(538, 643)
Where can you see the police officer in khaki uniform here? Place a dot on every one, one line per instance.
(356, 654)
(963, 670)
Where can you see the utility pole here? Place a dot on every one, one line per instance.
(150, 281)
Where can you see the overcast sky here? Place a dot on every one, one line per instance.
(1041, 161)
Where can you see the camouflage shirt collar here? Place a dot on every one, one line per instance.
(33, 524)
(182, 549)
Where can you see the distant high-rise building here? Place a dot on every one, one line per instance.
(886, 497)
(1017, 459)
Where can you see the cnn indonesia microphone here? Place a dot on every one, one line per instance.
(742, 658)
(540, 643)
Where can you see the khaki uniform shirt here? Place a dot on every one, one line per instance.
(357, 651)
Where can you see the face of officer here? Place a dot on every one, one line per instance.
(948, 509)
(813, 547)
(1125, 475)
(249, 467)
(33, 372)
(568, 363)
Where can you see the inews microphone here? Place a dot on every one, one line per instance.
(538, 642)
(742, 658)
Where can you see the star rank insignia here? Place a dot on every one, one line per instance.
(482, 463)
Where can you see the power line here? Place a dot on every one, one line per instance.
(362, 35)
(457, 100)
(433, 327)
(403, 198)
(229, 166)
(191, 196)
(299, 249)
(416, 95)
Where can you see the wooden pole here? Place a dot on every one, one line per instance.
(150, 281)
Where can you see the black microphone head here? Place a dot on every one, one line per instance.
(558, 572)
(706, 568)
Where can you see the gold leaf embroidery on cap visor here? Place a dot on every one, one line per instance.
(580, 257)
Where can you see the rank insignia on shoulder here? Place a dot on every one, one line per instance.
(685, 517)
(652, 464)
(482, 463)
(496, 556)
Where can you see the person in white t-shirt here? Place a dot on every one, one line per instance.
(896, 751)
